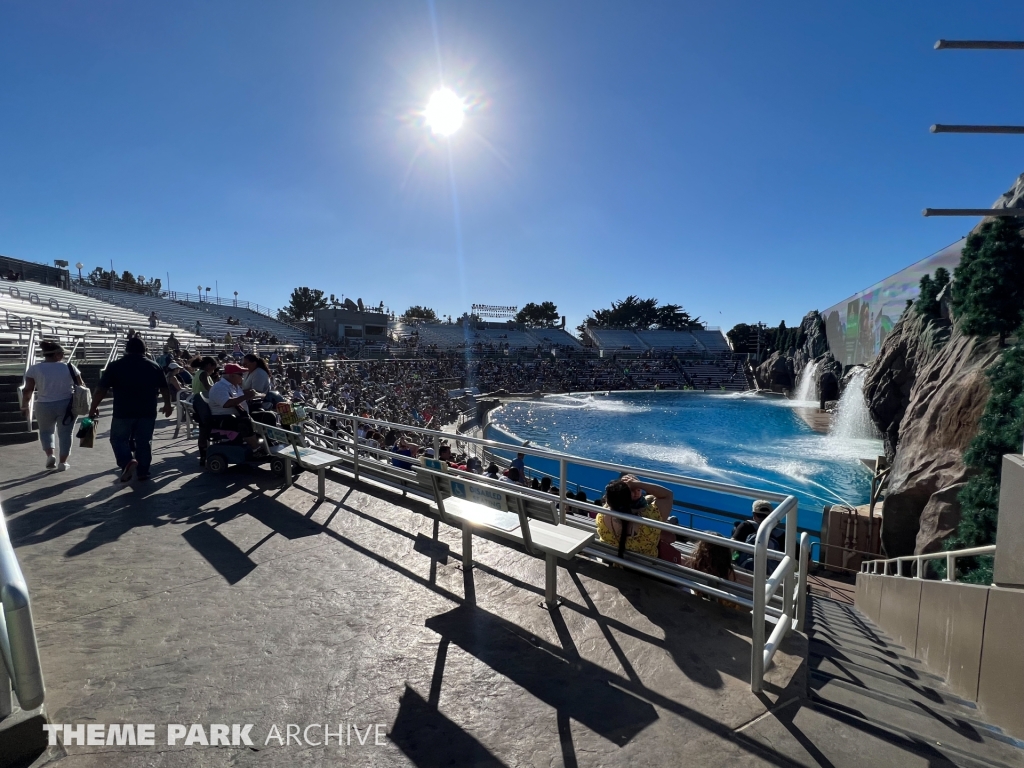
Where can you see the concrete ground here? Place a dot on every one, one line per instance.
(203, 599)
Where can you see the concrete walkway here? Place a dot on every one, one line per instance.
(204, 599)
(197, 598)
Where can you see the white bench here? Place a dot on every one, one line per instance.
(293, 448)
(478, 507)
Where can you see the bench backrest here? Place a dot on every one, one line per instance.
(295, 440)
(446, 483)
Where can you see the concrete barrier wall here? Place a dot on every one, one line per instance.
(970, 635)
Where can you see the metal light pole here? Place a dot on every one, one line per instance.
(236, 298)
(1002, 45)
(200, 289)
(79, 265)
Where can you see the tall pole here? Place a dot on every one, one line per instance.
(1002, 45)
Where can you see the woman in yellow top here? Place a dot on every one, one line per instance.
(630, 496)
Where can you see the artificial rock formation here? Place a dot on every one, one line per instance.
(926, 392)
(776, 372)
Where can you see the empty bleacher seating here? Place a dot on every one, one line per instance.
(713, 341)
(670, 341)
(64, 314)
(614, 339)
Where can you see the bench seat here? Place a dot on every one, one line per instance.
(504, 514)
(293, 448)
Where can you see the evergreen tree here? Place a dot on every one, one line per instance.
(304, 302)
(421, 313)
(926, 304)
(543, 315)
(989, 294)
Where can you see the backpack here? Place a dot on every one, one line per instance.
(81, 400)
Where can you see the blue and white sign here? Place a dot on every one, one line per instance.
(486, 496)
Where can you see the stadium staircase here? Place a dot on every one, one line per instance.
(859, 677)
(13, 428)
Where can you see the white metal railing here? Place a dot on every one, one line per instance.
(30, 359)
(19, 653)
(872, 566)
(766, 606)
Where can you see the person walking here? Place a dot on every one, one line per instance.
(53, 383)
(136, 381)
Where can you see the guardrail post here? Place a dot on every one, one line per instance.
(355, 448)
(950, 568)
(757, 620)
(788, 596)
(563, 481)
(801, 584)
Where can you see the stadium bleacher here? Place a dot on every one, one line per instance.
(288, 334)
(213, 317)
(559, 336)
(66, 314)
(670, 341)
(712, 340)
(614, 339)
(443, 336)
(718, 373)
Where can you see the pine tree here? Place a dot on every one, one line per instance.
(926, 304)
(989, 294)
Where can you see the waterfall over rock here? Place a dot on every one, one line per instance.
(807, 386)
(852, 420)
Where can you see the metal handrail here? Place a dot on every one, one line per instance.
(790, 573)
(19, 653)
(765, 588)
(872, 566)
(113, 352)
(30, 360)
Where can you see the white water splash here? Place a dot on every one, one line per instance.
(852, 420)
(677, 455)
(807, 387)
(604, 403)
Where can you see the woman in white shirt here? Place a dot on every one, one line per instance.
(53, 383)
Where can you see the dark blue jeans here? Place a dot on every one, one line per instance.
(133, 436)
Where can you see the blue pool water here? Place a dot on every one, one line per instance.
(739, 438)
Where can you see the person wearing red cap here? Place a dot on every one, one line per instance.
(229, 404)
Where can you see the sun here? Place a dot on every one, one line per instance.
(445, 112)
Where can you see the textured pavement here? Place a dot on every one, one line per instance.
(197, 598)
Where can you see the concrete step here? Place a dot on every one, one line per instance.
(814, 734)
(859, 675)
(12, 415)
(887, 680)
(940, 725)
(7, 428)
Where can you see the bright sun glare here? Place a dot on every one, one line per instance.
(445, 112)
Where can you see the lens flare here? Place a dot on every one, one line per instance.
(445, 112)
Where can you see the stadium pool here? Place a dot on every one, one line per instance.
(738, 438)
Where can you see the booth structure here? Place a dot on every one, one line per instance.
(352, 324)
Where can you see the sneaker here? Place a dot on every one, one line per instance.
(51, 462)
(63, 467)
(128, 471)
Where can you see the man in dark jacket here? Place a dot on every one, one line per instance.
(136, 381)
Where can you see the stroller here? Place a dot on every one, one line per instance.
(226, 446)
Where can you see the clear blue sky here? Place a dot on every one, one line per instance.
(748, 160)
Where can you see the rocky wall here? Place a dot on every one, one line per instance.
(926, 392)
